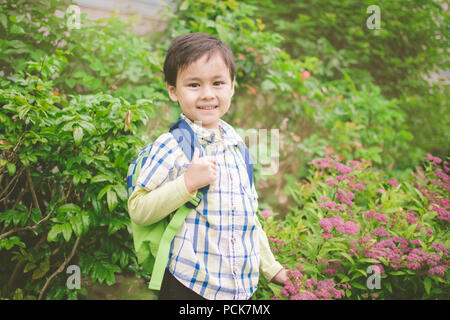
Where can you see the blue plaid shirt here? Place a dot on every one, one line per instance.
(216, 252)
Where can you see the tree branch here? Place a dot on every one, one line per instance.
(60, 269)
(6, 234)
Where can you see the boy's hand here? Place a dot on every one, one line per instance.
(281, 277)
(201, 172)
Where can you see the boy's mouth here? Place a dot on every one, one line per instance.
(207, 107)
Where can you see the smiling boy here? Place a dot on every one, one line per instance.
(221, 247)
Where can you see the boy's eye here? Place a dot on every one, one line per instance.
(193, 85)
(218, 83)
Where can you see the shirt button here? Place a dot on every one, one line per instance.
(233, 240)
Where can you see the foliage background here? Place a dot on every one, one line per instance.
(77, 104)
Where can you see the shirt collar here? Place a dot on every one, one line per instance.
(229, 135)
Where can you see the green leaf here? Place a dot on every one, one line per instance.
(111, 199)
(43, 268)
(11, 168)
(16, 29)
(89, 127)
(184, 5)
(4, 21)
(78, 135)
(388, 286)
(67, 231)
(358, 285)
(53, 233)
(69, 207)
(77, 224)
(268, 85)
(121, 191)
(103, 191)
(348, 257)
(101, 178)
(427, 284)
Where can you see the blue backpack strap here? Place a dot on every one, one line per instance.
(188, 141)
(135, 167)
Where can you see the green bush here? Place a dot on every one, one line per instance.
(350, 219)
(63, 166)
(399, 58)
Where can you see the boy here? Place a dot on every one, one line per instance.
(219, 250)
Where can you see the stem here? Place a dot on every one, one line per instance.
(60, 269)
(4, 235)
(33, 193)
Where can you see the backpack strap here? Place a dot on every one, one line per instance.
(187, 140)
(162, 257)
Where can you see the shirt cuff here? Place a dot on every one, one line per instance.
(271, 271)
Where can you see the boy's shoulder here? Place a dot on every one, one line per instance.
(230, 132)
(165, 142)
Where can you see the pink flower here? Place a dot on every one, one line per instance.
(331, 182)
(327, 235)
(357, 164)
(380, 191)
(266, 213)
(434, 160)
(393, 182)
(304, 296)
(411, 217)
(439, 270)
(326, 224)
(342, 168)
(380, 232)
(305, 74)
(346, 197)
(439, 247)
(351, 228)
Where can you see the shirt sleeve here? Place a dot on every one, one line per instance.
(160, 187)
(269, 266)
(148, 207)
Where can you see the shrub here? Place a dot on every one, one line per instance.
(63, 164)
(352, 219)
(404, 57)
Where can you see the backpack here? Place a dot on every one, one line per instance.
(152, 242)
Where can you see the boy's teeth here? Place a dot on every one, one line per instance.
(208, 107)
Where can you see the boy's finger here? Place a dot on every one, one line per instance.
(212, 159)
(196, 154)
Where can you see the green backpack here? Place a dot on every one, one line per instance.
(152, 242)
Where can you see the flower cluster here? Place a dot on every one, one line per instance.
(338, 223)
(372, 213)
(277, 242)
(401, 252)
(402, 232)
(301, 288)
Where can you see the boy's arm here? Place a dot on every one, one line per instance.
(160, 187)
(148, 207)
(269, 266)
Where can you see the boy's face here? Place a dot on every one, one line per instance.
(204, 90)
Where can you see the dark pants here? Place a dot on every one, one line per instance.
(172, 289)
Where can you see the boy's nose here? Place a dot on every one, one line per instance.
(207, 93)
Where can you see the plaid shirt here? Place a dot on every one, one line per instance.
(216, 251)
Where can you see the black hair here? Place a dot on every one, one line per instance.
(188, 48)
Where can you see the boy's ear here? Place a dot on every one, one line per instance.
(233, 83)
(172, 92)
